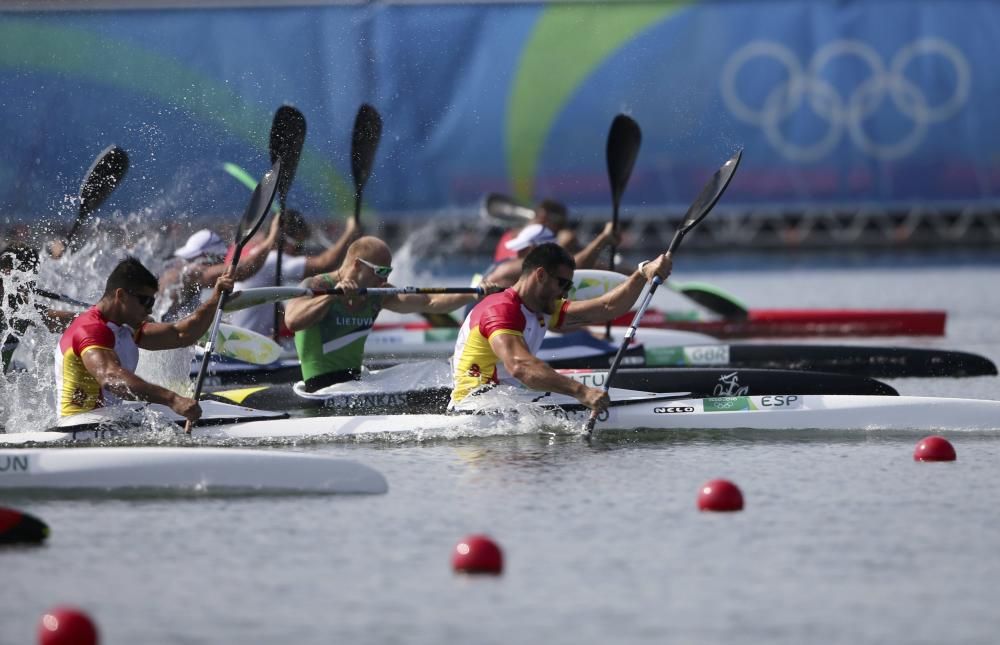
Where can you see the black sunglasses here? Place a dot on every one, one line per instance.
(565, 284)
(145, 301)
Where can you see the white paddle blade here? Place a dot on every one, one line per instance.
(245, 345)
(594, 283)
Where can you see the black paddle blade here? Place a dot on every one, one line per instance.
(364, 142)
(624, 139)
(288, 135)
(707, 198)
(712, 191)
(505, 211)
(716, 303)
(260, 204)
(102, 178)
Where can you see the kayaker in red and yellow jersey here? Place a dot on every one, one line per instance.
(501, 335)
(97, 355)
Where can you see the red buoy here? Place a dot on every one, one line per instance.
(477, 554)
(934, 448)
(20, 528)
(720, 495)
(66, 626)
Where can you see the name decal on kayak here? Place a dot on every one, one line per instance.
(594, 379)
(367, 401)
(747, 403)
(781, 401)
(675, 409)
(14, 464)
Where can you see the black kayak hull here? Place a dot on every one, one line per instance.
(878, 362)
(697, 381)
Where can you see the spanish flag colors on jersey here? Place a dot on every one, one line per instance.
(77, 390)
(474, 364)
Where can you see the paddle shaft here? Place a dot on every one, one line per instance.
(630, 332)
(51, 295)
(394, 291)
(209, 346)
(260, 203)
(263, 295)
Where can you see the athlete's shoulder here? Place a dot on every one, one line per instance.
(499, 311)
(89, 329)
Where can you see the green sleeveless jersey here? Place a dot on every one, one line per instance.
(337, 342)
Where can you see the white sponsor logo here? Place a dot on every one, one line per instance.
(817, 87)
(673, 409)
(729, 385)
(707, 355)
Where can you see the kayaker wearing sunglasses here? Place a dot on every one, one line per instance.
(97, 354)
(501, 336)
(296, 264)
(330, 331)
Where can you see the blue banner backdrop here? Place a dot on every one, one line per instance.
(847, 102)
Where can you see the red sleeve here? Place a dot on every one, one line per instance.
(92, 335)
(503, 315)
(502, 252)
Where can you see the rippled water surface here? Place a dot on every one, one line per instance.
(844, 538)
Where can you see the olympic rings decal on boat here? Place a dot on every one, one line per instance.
(812, 87)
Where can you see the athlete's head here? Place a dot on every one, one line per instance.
(547, 273)
(134, 287)
(368, 261)
(552, 214)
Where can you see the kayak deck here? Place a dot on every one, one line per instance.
(193, 470)
(634, 413)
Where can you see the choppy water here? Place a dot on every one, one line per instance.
(844, 538)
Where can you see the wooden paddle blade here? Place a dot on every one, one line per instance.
(260, 202)
(505, 211)
(364, 142)
(288, 135)
(624, 140)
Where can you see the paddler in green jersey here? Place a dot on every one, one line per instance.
(330, 331)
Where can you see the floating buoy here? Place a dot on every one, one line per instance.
(20, 528)
(720, 495)
(477, 554)
(934, 448)
(66, 626)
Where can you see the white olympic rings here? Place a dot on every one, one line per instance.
(810, 88)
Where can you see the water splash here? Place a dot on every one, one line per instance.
(27, 394)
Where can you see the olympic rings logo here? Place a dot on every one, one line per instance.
(810, 88)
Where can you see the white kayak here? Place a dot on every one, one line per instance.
(520, 412)
(195, 470)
